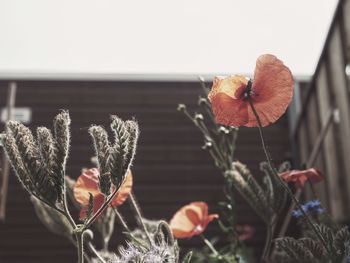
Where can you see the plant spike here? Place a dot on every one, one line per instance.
(49, 160)
(102, 149)
(133, 128)
(61, 124)
(119, 151)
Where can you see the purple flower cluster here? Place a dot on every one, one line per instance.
(311, 206)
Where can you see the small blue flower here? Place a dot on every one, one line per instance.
(297, 213)
(311, 206)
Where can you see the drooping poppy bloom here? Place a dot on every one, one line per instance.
(270, 92)
(87, 183)
(191, 220)
(299, 178)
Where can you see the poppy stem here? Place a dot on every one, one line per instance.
(210, 245)
(290, 193)
(139, 216)
(313, 190)
(121, 219)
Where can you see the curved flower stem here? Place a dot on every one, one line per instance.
(93, 250)
(139, 216)
(290, 193)
(209, 245)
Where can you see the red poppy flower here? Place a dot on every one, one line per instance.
(270, 92)
(191, 220)
(88, 183)
(299, 178)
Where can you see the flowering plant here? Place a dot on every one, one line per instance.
(40, 164)
(239, 101)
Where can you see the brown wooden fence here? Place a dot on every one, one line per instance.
(322, 131)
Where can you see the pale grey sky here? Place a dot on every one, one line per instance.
(160, 36)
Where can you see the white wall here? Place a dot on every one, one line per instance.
(159, 36)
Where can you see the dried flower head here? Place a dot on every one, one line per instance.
(163, 248)
(102, 148)
(114, 159)
(39, 163)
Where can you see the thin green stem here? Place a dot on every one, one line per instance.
(206, 133)
(101, 209)
(139, 216)
(207, 108)
(65, 205)
(80, 246)
(268, 241)
(66, 210)
(313, 190)
(209, 245)
(121, 219)
(290, 193)
(93, 250)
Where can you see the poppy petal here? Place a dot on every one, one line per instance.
(232, 86)
(86, 183)
(272, 90)
(229, 111)
(181, 224)
(299, 178)
(124, 190)
(98, 202)
(314, 175)
(191, 220)
(212, 217)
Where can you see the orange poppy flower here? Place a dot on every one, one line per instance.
(87, 183)
(299, 178)
(270, 92)
(191, 220)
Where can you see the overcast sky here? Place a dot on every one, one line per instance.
(160, 36)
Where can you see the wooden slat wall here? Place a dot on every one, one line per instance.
(329, 92)
(170, 169)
